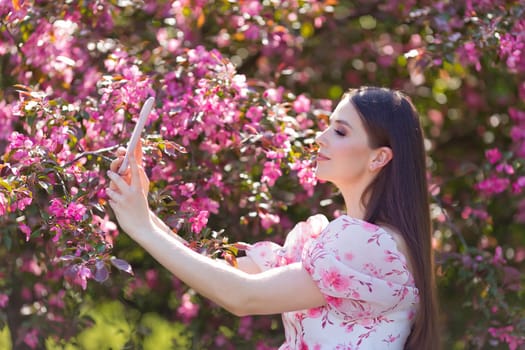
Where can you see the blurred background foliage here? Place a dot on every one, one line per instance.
(459, 61)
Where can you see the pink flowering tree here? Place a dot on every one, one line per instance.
(240, 90)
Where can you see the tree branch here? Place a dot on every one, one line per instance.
(91, 153)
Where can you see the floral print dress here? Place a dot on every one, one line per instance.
(371, 298)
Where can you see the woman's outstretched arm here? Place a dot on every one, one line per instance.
(277, 290)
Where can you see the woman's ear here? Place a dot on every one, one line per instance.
(381, 157)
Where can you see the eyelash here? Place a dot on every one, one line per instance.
(339, 133)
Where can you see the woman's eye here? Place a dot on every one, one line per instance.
(339, 132)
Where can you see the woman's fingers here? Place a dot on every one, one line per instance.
(121, 151)
(114, 197)
(115, 164)
(119, 184)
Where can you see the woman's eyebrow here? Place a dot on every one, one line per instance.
(341, 121)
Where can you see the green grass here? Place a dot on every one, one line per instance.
(114, 326)
(5, 339)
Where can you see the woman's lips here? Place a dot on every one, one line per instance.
(321, 156)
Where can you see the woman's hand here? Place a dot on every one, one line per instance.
(115, 165)
(128, 196)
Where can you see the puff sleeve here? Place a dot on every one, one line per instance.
(359, 270)
(267, 255)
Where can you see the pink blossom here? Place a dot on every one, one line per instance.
(518, 185)
(56, 208)
(25, 230)
(468, 54)
(279, 154)
(252, 32)
(3, 204)
(493, 155)
(498, 256)
(505, 168)
(517, 115)
(26, 294)
(187, 310)
(57, 300)
(220, 340)
(31, 265)
(493, 185)
(254, 113)
(40, 290)
(187, 189)
(301, 104)
(223, 38)
(4, 299)
(512, 47)
(200, 221)
(268, 219)
(17, 140)
(22, 203)
(521, 90)
(274, 95)
(271, 172)
(306, 175)
(78, 274)
(245, 327)
(468, 211)
(31, 338)
(152, 278)
(505, 334)
(251, 7)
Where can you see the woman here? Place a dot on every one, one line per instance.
(364, 280)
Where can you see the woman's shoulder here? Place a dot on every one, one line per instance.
(349, 227)
(310, 228)
(367, 244)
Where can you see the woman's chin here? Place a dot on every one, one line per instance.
(319, 176)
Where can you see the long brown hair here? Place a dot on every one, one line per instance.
(398, 196)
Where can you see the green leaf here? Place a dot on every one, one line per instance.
(45, 186)
(35, 233)
(307, 30)
(8, 242)
(6, 185)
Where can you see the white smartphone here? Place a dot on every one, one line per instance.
(135, 137)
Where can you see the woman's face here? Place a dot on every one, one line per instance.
(344, 155)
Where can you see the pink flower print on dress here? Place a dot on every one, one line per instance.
(375, 238)
(356, 267)
(335, 302)
(390, 256)
(366, 322)
(349, 256)
(354, 294)
(315, 312)
(333, 278)
(369, 227)
(391, 338)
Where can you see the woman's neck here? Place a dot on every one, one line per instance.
(353, 204)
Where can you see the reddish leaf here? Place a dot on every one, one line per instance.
(230, 259)
(101, 273)
(122, 265)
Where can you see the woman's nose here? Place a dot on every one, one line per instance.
(319, 138)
